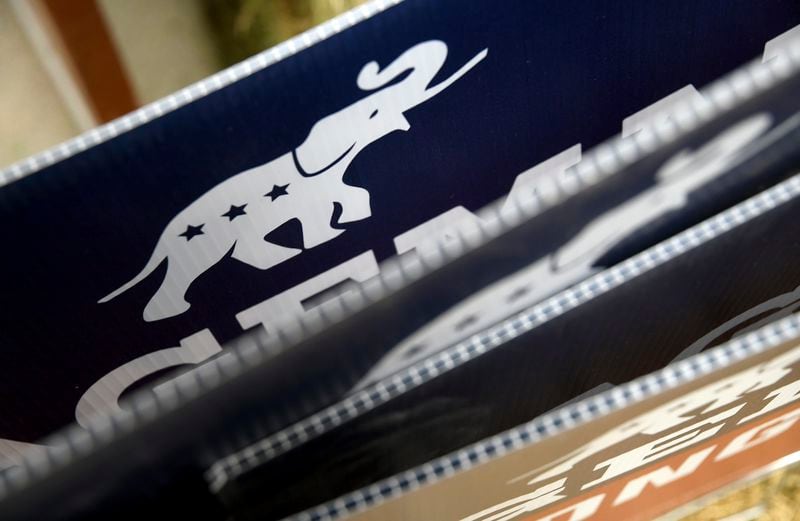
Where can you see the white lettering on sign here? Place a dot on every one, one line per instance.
(664, 431)
(290, 303)
(102, 398)
(778, 398)
(663, 476)
(519, 505)
(577, 511)
(12, 452)
(542, 179)
(659, 111)
(442, 228)
(779, 45)
(760, 434)
(660, 447)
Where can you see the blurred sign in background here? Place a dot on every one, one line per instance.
(69, 65)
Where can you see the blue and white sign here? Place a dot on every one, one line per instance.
(148, 243)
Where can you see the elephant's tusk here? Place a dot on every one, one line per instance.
(307, 174)
(439, 87)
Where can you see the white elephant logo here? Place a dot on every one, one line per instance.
(304, 184)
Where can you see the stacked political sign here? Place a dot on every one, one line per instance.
(230, 208)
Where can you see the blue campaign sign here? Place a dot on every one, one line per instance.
(172, 231)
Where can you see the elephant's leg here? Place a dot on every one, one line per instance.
(316, 220)
(317, 228)
(355, 204)
(169, 300)
(255, 251)
(184, 265)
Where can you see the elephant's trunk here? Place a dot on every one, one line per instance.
(424, 60)
(439, 87)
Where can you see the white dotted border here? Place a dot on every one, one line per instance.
(193, 92)
(556, 422)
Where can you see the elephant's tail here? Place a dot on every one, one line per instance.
(155, 260)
